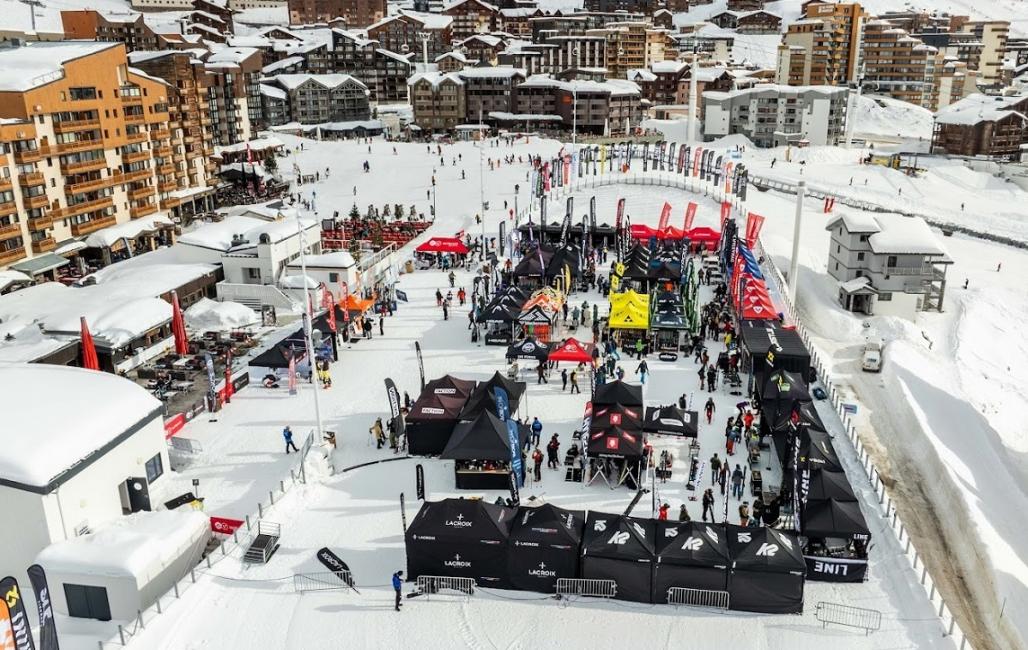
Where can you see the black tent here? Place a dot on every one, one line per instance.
(536, 315)
(277, 356)
(515, 389)
(664, 272)
(529, 265)
(544, 546)
(817, 452)
(782, 395)
(564, 256)
(529, 348)
(671, 421)
(833, 518)
(615, 442)
(807, 415)
(462, 538)
(618, 392)
(484, 438)
(484, 397)
(690, 554)
(499, 312)
(768, 347)
(431, 421)
(609, 416)
(621, 549)
(450, 386)
(768, 570)
(824, 484)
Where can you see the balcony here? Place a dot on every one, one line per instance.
(88, 186)
(44, 245)
(162, 151)
(131, 99)
(10, 256)
(10, 231)
(135, 156)
(142, 211)
(138, 175)
(6, 184)
(160, 134)
(72, 147)
(136, 137)
(32, 202)
(170, 202)
(92, 225)
(83, 166)
(27, 156)
(31, 178)
(8, 207)
(134, 118)
(140, 193)
(76, 125)
(168, 186)
(84, 207)
(165, 170)
(37, 224)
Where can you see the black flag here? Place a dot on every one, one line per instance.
(47, 627)
(336, 565)
(421, 363)
(503, 237)
(20, 626)
(419, 481)
(394, 405)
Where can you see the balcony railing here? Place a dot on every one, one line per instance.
(142, 211)
(92, 225)
(37, 224)
(136, 137)
(10, 231)
(32, 202)
(8, 207)
(89, 186)
(83, 166)
(12, 255)
(44, 245)
(134, 118)
(84, 207)
(76, 125)
(135, 156)
(31, 178)
(160, 134)
(6, 184)
(140, 193)
(27, 156)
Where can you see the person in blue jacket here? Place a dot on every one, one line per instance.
(287, 434)
(397, 586)
(537, 431)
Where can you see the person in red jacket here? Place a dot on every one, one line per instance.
(662, 513)
(747, 419)
(537, 458)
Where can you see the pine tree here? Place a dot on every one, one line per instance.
(270, 164)
(354, 212)
(355, 249)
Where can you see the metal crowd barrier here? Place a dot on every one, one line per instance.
(322, 581)
(586, 587)
(869, 620)
(697, 597)
(428, 585)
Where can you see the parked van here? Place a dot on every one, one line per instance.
(871, 360)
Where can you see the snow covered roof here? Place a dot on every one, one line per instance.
(491, 72)
(435, 78)
(140, 545)
(453, 54)
(977, 108)
(273, 92)
(457, 3)
(257, 144)
(294, 81)
(775, 88)
(231, 55)
(297, 282)
(96, 409)
(905, 236)
(10, 277)
(211, 315)
(282, 64)
(242, 233)
(611, 86)
(335, 260)
(667, 67)
(487, 39)
(429, 20)
(641, 74)
(107, 237)
(857, 222)
(40, 62)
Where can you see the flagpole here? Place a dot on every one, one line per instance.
(309, 331)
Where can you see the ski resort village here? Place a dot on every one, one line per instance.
(520, 324)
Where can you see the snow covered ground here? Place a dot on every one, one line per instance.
(946, 425)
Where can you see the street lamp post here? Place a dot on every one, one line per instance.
(308, 328)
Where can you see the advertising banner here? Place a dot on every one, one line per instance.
(47, 627)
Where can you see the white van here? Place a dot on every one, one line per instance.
(871, 359)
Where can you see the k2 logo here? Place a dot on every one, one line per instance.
(600, 525)
(692, 544)
(619, 538)
(768, 550)
(744, 537)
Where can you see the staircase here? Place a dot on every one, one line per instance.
(264, 543)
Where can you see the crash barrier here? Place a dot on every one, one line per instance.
(586, 587)
(322, 581)
(432, 584)
(697, 597)
(869, 620)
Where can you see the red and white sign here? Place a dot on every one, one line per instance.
(665, 217)
(615, 418)
(612, 443)
(696, 161)
(753, 224)
(690, 215)
(224, 525)
(174, 424)
(726, 211)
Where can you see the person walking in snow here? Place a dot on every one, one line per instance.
(287, 434)
(452, 278)
(638, 349)
(708, 503)
(642, 369)
(737, 478)
(376, 432)
(438, 298)
(537, 460)
(398, 588)
(709, 409)
(683, 514)
(552, 447)
(662, 512)
(715, 468)
(541, 371)
(537, 431)
(574, 383)
(446, 310)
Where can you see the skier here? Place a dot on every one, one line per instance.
(642, 369)
(397, 587)
(287, 433)
(709, 409)
(537, 431)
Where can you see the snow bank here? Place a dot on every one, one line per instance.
(210, 315)
(885, 116)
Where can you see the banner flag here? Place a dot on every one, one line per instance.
(683, 155)
(421, 363)
(503, 412)
(394, 404)
(292, 371)
(696, 161)
(47, 627)
(333, 563)
(503, 237)
(328, 302)
(419, 481)
(665, 217)
(753, 223)
(212, 382)
(542, 215)
(690, 214)
(620, 215)
(10, 593)
(567, 169)
(671, 157)
(646, 156)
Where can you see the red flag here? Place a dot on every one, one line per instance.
(753, 223)
(292, 373)
(696, 161)
(178, 326)
(726, 211)
(228, 378)
(620, 215)
(89, 358)
(567, 168)
(546, 177)
(345, 293)
(329, 303)
(728, 177)
(665, 216)
(690, 215)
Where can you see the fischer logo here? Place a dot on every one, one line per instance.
(692, 544)
(457, 563)
(767, 550)
(458, 522)
(542, 572)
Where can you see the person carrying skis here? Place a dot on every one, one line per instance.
(287, 434)
(709, 409)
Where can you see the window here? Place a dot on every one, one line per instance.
(154, 468)
(860, 257)
(891, 261)
(836, 266)
(82, 93)
(863, 238)
(885, 297)
(252, 273)
(333, 277)
(87, 601)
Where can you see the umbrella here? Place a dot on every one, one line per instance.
(89, 359)
(178, 326)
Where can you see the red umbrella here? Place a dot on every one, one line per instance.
(178, 326)
(89, 359)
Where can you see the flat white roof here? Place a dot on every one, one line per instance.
(36, 63)
(336, 260)
(905, 236)
(219, 236)
(89, 409)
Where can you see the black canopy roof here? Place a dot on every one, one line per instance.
(759, 337)
(615, 442)
(450, 385)
(817, 452)
(547, 525)
(618, 392)
(436, 407)
(619, 537)
(564, 256)
(671, 420)
(783, 393)
(765, 550)
(808, 416)
(484, 438)
(277, 356)
(499, 312)
(536, 314)
(529, 264)
(669, 311)
(665, 271)
(608, 416)
(833, 518)
(460, 520)
(824, 484)
(529, 348)
(692, 543)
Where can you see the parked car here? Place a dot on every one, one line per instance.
(871, 360)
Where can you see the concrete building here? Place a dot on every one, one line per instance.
(438, 100)
(318, 98)
(602, 108)
(356, 13)
(384, 72)
(80, 132)
(233, 94)
(890, 266)
(749, 22)
(897, 64)
(488, 90)
(774, 115)
(471, 17)
(130, 29)
(413, 32)
(824, 47)
(68, 470)
(710, 41)
(983, 125)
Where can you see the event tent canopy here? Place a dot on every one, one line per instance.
(671, 420)
(704, 235)
(833, 518)
(537, 315)
(782, 394)
(431, 421)
(615, 442)
(572, 350)
(692, 555)
(773, 347)
(278, 355)
(620, 548)
(825, 484)
(768, 570)
(529, 348)
(544, 546)
(817, 452)
(443, 245)
(618, 392)
(607, 416)
(450, 385)
(484, 438)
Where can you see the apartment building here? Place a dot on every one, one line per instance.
(409, 32)
(899, 65)
(490, 89)
(384, 72)
(191, 142)
(130, 29)
(603, 108)
(708, 40)
(320, 98)
(749, 22)
(659, 83)
(637, 6)
(80, 131)
(516, 21)
(955, 82)
(824, 47)
(233, 94)
(356, 13)
(471, 17)
(627, 46)
(983, 125)
(438, 100)
(775, 115)
(556, 54)
(485, 48)
(745, 5)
